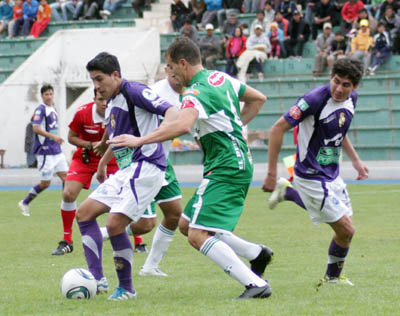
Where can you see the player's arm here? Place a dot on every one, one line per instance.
(355, 159)
(274, 147)
(169, 130)
(74, 139)
(253, 101)
(101, 174)
(101, 147)
(39, 131)
(170, 115)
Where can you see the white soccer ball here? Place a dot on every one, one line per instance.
(78, 283)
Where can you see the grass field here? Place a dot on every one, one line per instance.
(30, 276)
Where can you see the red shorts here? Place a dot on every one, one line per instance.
(83, 173)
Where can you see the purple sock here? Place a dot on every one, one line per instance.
(123, 259)
(92, 242)
(32, 194)
(336, 258)
(291, 194)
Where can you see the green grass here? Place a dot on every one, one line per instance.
(30, 276)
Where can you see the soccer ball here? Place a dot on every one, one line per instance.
(78, 283)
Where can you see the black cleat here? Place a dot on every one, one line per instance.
(259, 264)
(63, 248)
(141, 248)
(253, 291)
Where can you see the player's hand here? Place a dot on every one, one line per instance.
(269, 183)
(99, 148)
(58, 139)
(362, 169)
(125, 140)
(101, 174)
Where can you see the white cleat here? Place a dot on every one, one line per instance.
(278, 195)
(24, 208)
(102, 286)
(152, 271)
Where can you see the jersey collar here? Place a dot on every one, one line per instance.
(96, 117)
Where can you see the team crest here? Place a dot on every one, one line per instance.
(342, 119)
(295, 112)
(112, 121)
(216, 79)
(149, 94)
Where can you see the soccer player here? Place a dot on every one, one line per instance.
(46, 147)
(169, 197)
(323, 115)
(85, 132)
(132, 108)
(211, 106)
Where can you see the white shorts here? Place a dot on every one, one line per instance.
(326, 202)
(130, 191)
(49, 165)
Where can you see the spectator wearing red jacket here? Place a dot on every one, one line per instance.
(350, 13)
(235, 47)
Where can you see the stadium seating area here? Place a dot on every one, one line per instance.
(375, 131)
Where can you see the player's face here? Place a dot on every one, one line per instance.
(174, 82)
(47, 97)
(178, 71)
(101, 104)
(106, 85)
(341, 88)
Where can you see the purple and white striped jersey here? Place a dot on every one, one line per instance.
(134, 110)
(46, 117)
(323, 124)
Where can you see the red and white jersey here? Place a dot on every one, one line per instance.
(89, 126)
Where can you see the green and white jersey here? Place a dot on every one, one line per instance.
(215, 95)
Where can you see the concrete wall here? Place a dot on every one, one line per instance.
(61, 62)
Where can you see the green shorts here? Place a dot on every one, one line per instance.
(216, 206)
(170, 190)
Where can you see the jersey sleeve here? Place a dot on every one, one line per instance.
(76, 124)
(237, 85)
(38, 116)
(147, 99)
(190, 100)
(307, 105)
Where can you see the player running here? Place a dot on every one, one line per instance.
(211, 106)
(323, 115)
(46, 147)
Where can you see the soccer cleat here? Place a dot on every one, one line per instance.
(122, 294)
(259, 264)
(253, 291)
(63, 248)
(102, 285)
(24, 208)
(278, 195)
(141, 248)
(152, 271)
(340, 280)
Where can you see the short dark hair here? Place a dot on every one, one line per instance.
(261, 12)
(338, 33)
(46, 87)
(184, 47)
(348, 68)
(104, 62)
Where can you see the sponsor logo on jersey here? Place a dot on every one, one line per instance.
(328, 155)
(216, 79)
(192, 91)
(189, 102)
(303, 105)
(329, 118)
(149, 94)
(295, 112)
(342, 119)
(38, 112)
(91, 131)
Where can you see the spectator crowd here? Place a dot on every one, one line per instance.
(368, 30)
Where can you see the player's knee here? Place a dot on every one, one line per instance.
(183, 226)
(69, 196)
(148, 225)
(44, 184)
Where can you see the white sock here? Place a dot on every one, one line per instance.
(104, 232)
(242, 247)
(159, 246)
(225, 257)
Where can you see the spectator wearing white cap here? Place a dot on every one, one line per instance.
(323, 47)
(209, 47)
